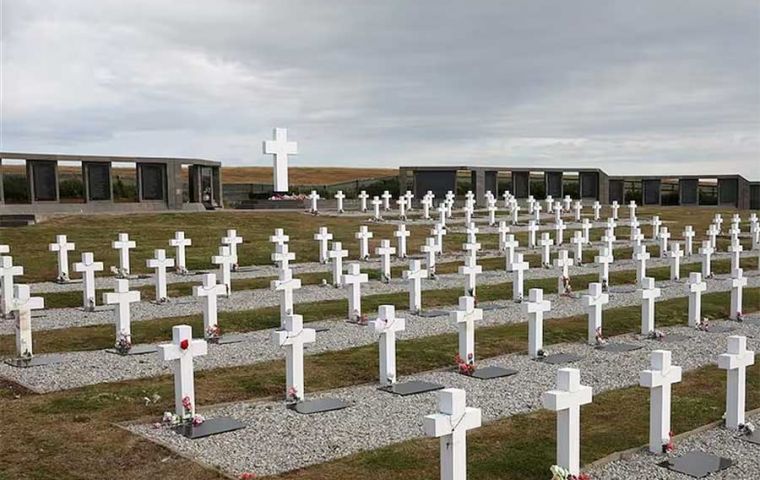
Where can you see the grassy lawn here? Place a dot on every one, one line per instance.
(71, 434)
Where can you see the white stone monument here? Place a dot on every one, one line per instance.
(23, 304)
(7, 272)
(280, 148)
(675, 261)
(339, 196)
(401, 235)
(384, 251)
(738, 282)
(518, 267)
(232, 240)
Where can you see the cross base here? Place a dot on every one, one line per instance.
(210, 427)
(559, 358)
(136, 350)
(697, 464)
(318, 406)
(618, 347)
(226, 339)
(489, 373)
(411, 388)
(34, 361)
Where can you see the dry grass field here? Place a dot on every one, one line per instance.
(304, 175)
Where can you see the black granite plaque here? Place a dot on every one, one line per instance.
(432, 313)
(212, 426)
(560, 358)
(618, 347)
(720, 329)
(45, 181)
(697, 464)
(488, 373)
(34, 361)
(754, 438)
(411, 388)
(589, 184)
(228, 339)
(99, 181)
(136, 350)
(673, 338)
(152, 181)
(622, 289)
(319, 406)
(491, 306)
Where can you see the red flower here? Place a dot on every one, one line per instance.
(247, 476)
(184, 344)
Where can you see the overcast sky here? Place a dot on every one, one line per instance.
(629, 86)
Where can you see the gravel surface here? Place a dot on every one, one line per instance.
(87, 368)
(276, 439)
(716, 441)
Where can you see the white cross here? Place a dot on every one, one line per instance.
(180, 243)
(659, 380)
(738, 282)
(664, 237)
(734, 231)
(718, 222)
(712, 233)
(491, 212)
(586, 227)
(515, 213)
(409, 196)
(470, 270)
(736, 250)
(439, 232)
(337, 254)
(597, 208)
(122, 297)
(293, 337)
(546, 243)
(464, 317)
(615, 208)
(593, 303)
(675, 261)
(735, 361)
(363, 200)
(209, 291)
(603, 260)
(557, 212)
(518, 266)
(549, 201)
(509, 249)
(339, 196)
(706, 251)
(648, 295)
(578, 207)
(442, 213)
(451, 425)
(471, 250)
(353, 281)
(62, 246)
(634, 228)
(609, 238)
(430, 249)
(532, 230)
(503, 230)
(566, 400)
(7, 272)
(754, 231)
(427, 202)
(224, 260)
(232, 240)
(632, 209)
(507, 196)
(279, 237)
(535, 308)
(656, 223)
(88, 266)
(123, 245)
(564, 262)
(472, 231)
(181, 352)
(467, 214)
(402, 203)
(285, 284)
(387, 325)
(376, 202)
(695, 288)
(363, 235)
(688, 235)
(531, 204)
(566, 202)
(314, 197)
(384, 251)
(578, 241)
(24, 304)
(414, 275)
(559, 229)
(636, 237)
(640, 255)
(386, 200)
(160, 263)
(280, 148)
(537, 212)
(401, 233)
(323, 236)
(449, 203)
(282, 256)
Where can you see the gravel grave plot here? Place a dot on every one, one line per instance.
(59, 318)
(276, 439)
(717, 441)
(87, 368)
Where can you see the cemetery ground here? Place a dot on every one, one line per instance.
(80, 433)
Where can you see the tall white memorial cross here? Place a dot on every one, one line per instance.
(603, 260)
(559, 229)
(23, 304)
(532, 231)
(353, 280)
(282, 256)
(384, 251)
(648, 295)
(593, 303)
(414, 276)
(738, 282)
(675, 261)
(401, 234)
(363, 200)
(386, 196)
(279, 237)
(322, 237)
(695, 288)
(225, 261)
(62, 246)
(754, 231)
(597, 207)
(706, 251)
(566, 400)
(7, 272)
(87, 267)
(535, 308)
(615, 208)
(640, 255)
(363, 235)
(664, 237)
(464, 318)
(586, 227)
(519, 267)
(209, 291)
(180, 243)
(160, 263)
(232, 240)
(688, 236)
(735, 249)
(285, 284)
(659, 380)
(293, 337)
(337, 254)
(280, 148)
(339, 196)
(718, 222)
(123, 245)
(611, 225)
(470, 270)
(563, 262)
(386, 325)
(451, 425)
(656, 223)
(122, 297)
(376, 202)
(449, 203)
(314, 197)
(735, 361)
(181, 352)
(510, 244)
(578, 241)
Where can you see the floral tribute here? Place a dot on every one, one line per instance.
(123, 344)
(739, 316)
(291, 396)
(668, 445)
(559, 473)
(704, 325)
(247, 476)
(172, 419)
(567, 289)
(600, 340)
(656, 335)
(213, 333)
(465, 367)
